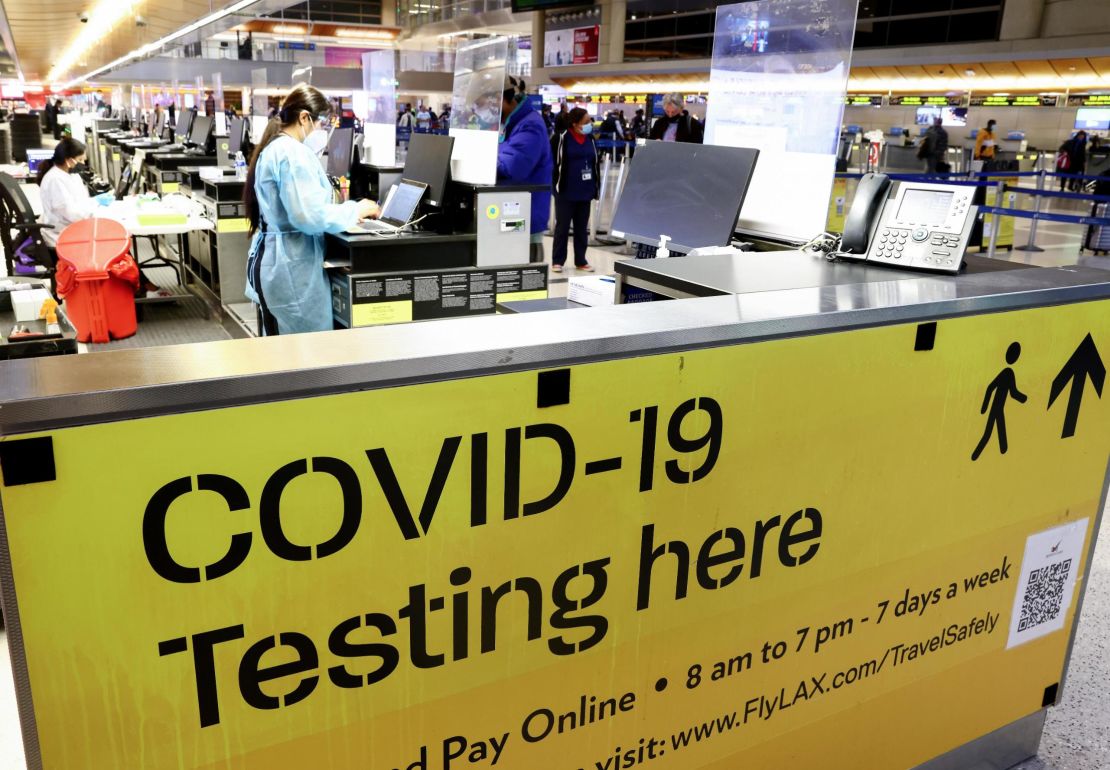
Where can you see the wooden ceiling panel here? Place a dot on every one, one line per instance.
(912, 71)
(1036, 69)
(44, 29)
(886, 73)
(1071, 67)
(1001, 69)
(1101, 65)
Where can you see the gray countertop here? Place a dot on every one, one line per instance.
(46, 393)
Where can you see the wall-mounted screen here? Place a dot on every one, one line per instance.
(1093, 118)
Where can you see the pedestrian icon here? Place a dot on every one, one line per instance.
(1002, 387)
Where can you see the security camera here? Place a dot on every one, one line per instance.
(84, 17)
(140, 21)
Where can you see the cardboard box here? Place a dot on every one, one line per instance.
(594, 290)
(26, 304)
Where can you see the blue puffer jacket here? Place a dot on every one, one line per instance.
(524, 157)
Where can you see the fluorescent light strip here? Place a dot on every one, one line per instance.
(102, 19)
(150, 48)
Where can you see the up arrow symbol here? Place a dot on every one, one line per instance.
(1084, 362)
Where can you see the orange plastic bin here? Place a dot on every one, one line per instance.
(97, 279)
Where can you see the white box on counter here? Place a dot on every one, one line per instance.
(27, 304)
(593, 290)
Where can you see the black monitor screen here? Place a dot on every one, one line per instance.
(689, 192)
(184, 123)
(235, 135)
(124, 186)
(339, 151)
(202, 130)
(429, 161)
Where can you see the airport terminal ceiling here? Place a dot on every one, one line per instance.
(56, 40)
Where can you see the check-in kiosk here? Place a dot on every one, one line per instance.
(466, 249)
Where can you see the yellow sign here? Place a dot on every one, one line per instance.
(691, 560)
(838, 206)
(1006, 224)
(492, 211)
(374, 313)
(170, 187)
(232, 225)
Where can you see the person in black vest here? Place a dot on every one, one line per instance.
(575, 182)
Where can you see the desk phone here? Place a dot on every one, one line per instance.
(925, 226)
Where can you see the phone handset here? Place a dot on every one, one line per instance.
(863, 217)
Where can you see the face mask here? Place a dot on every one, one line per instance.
(317, 141)
(587, 129)
(78, 168)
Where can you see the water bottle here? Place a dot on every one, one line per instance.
(240, 166)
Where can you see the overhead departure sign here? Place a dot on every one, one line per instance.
(917, 100)
(863, 100)
(1014, 100)
(719, 567)
(1089, 100)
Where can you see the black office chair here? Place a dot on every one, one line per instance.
(20, 229)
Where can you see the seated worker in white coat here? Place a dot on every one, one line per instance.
(290, 205)
(65, 198)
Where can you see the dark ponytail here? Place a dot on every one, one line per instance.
(66, 148)
(303, 98)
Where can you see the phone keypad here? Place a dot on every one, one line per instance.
(892, 243)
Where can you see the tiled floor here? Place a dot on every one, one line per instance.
(1077, 735)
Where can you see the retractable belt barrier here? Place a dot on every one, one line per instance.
(1045, 216)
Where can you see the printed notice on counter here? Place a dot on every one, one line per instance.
(692, 560)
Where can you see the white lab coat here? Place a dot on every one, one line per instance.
(65, 200)
(286, 260)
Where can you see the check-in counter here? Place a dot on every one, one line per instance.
(162, 169)
(218, 258)
(840, 522)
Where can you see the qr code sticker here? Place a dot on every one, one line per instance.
(1044, 595)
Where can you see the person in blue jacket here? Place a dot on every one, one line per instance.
(290, 205)
(524, 156)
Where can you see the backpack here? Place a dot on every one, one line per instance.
(1063, 160)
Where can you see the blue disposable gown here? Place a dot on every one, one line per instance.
(296, 203)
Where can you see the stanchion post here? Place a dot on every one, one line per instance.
(996, 218)
(606, 164)
(1031, 244)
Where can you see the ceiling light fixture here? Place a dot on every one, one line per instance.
(102, 19)
(288, 29)
(157, 45)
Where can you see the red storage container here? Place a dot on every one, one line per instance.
(97, 279)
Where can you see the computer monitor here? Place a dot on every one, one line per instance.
(340, 144)
(201, 131)
(235, 130)
(184, 124)
(1092, 119)
(691, 193)
(35, 157)
(429, 161)
(402, 201)
(124, 186)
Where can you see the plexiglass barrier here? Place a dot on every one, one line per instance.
(476, 109)
(777, 83)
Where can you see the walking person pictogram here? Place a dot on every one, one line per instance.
(1002, 387)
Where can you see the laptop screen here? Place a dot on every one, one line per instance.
(402, 202)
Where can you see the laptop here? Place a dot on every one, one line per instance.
(399, 208)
